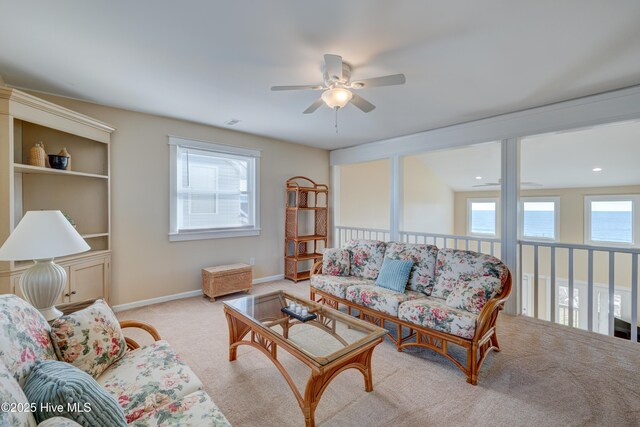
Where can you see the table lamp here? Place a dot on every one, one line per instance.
(42, 236)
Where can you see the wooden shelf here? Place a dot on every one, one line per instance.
(61, 260)
(314, 190)
(306, 238)
(307, 209)
(304, 257)
(19, 167)
(94, 235)
(302, 275)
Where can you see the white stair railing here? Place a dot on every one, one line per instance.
(492, 246)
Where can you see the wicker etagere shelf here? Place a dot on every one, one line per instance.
(306, 225)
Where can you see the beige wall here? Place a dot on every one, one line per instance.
(145, 263)
(428, 201)
(364, 195)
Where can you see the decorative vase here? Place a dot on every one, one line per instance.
(37, 155)
(65, 153)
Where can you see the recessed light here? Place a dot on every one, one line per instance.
(478, 177)
(597, 169)
(232, 122)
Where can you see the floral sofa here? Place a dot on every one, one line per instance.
(152, 385)
(452, 296)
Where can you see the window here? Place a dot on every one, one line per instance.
(482, 217)
(539, 218)
(214, 190)
(611, 220)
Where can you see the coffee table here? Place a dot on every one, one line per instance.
(329, 344)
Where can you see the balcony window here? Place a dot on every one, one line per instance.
(611, 220)
(539, 218)
(482, 217)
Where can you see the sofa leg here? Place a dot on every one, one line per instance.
(472, 354)
(494, 341)
(399, 343)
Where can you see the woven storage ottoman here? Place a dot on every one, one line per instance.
(226, 279)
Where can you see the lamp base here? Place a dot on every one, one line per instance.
(42, 284)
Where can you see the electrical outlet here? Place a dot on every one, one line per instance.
(252, 261)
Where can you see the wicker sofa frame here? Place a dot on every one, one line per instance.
(484, 340)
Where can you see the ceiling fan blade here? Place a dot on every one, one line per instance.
(394, 79)
(362, 103)
(333, 66)
(486, 184)
(313, 107)
(299, 87)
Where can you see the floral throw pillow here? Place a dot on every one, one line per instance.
(90, 339)
(335, 262)
(473, 295)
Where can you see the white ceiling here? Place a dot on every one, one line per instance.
(210, 61)
(556, 160)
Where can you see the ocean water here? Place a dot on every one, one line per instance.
(605, 226)
(612, 226)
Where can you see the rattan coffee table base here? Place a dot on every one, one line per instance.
(244, 332)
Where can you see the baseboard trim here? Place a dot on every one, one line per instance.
(182, 295)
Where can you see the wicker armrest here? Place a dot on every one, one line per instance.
(489, 313)
(317, 268)
(131, 344)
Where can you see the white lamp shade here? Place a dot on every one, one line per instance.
(42, 235)
(337, 97)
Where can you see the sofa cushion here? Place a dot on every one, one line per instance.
(366, 257)
(59, 422)
(59, 384)
(148, 378)
(424, 263)
(335, 262)
(90, 339)
(12, 394)
(433, 313)
(455, 267)
(394, 274)
(337, 285)
(24, 336)
(195, 409)
(473, 295)
(380, 299)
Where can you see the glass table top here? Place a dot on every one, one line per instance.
(324, 339)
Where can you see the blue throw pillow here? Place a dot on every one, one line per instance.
(394, 274)
(59, 389)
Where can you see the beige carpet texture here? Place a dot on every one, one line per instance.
(545, 375)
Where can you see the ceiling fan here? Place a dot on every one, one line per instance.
(497, 184)
(338, 88)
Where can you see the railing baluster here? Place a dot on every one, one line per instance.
(612, 284)
(492, 249)
(634, 297)
(552, 315)
(590, 290)
(466, 244)
(535, 282)
(479, 245)
(455, 243)
(520, 274)
(570, 293)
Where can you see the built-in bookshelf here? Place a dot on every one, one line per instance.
(82, 191)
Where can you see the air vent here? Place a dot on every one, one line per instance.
(232, 122)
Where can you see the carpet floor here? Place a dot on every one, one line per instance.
(545, 375)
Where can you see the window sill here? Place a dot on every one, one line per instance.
(212, 234)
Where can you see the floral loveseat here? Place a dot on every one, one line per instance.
(152, 385)
(452, 296)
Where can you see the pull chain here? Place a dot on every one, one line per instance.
(336, 119)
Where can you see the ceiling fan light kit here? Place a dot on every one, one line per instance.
(337, 84)
(337, 97)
